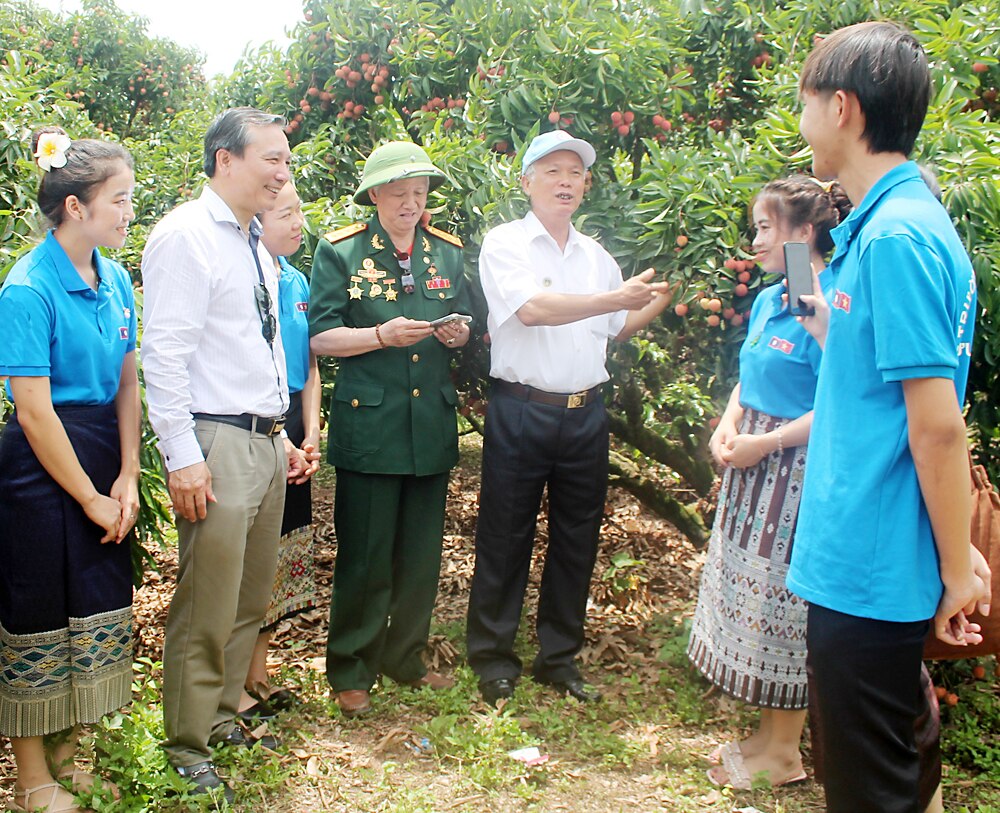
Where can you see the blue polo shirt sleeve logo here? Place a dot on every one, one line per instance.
(302, 307)
(965, 348)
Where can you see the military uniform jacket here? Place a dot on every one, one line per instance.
(393, 409)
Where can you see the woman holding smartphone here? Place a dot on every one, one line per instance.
(377, 289)
(748, 635)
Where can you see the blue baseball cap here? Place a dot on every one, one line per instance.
(542, 145)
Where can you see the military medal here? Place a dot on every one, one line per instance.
(354, 290)
(437, 283)
(432, 271)
(390, 294)
(405, 265)
(369, 272)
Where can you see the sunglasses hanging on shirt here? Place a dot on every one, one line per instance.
(268, 324)
(405, 264)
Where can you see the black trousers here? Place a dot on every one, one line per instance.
(868, 696)
(529, 446)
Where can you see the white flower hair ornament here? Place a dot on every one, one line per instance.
(51, 150)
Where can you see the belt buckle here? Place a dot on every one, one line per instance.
(577, 399)
(276, 426)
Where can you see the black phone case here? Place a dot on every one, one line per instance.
(798, 277)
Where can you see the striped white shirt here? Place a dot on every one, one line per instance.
(202, 347)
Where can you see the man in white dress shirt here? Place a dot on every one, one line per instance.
(555, 297)
(217, 393)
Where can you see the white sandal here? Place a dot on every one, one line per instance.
(54, 787)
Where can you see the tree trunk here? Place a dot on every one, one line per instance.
(697, 473)
(685, 518)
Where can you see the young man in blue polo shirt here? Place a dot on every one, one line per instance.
(882, 543)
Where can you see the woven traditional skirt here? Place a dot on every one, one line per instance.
(748, 636)
(65, 599)
(295, 579)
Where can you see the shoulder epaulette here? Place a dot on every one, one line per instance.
(337, 235)
(448, 238)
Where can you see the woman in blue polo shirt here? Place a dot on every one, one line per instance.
(69, 468)
(749, 632)
(294, 581)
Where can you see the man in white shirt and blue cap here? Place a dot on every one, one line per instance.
(555, 297)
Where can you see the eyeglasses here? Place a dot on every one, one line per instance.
(268, 324)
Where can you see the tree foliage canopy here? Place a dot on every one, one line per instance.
(692, 106)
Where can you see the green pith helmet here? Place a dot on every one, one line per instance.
(393, 162)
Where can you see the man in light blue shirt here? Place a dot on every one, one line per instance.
(883, 538)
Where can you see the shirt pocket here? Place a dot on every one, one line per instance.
(438, 294)
(356, 425)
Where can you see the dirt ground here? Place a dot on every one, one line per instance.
(377, 764)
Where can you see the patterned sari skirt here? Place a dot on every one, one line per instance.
(65, 598)
(748, 636)
(294, 588)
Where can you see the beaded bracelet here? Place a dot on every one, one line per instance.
(378, 335)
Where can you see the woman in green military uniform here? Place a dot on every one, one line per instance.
(376, 288)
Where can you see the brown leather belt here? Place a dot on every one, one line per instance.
(252, 423)
(569, 400)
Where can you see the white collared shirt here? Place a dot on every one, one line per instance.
(202, 347)
(521, 259)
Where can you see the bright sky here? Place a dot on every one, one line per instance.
(220, 29)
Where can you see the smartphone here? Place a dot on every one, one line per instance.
(451, 317)
(798, 278)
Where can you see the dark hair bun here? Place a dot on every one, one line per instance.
(801, 199)
(842, 203)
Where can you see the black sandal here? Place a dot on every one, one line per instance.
(275, 699)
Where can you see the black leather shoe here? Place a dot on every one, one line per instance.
(495, 690)
(576, 687)
(202, 778)
(237, 738)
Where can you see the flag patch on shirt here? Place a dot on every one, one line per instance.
(777, 343)
(302, 307)
(842, 301)
(123, 332)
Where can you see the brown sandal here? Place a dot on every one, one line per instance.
(55, 788)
